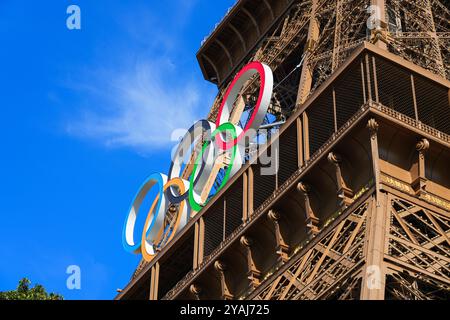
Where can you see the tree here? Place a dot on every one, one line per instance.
(24, 292)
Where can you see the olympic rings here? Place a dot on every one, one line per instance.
(261, 106)
(183, 147)
(177, 191)
(158, 179)
(148, 249)
(194, 200)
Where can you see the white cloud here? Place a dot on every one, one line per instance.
(143, 107)
(139, 104)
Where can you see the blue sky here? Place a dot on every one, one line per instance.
(86, 116)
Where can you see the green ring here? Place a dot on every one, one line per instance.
(227, 126)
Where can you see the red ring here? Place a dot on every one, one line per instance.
(262, 74)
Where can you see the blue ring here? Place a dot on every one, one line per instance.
(153, 179)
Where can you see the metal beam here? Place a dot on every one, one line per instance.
(225, 49)
(255, 23)
(232, 27)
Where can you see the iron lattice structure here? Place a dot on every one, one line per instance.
(326, 32)
(360, 205)
(333, 268)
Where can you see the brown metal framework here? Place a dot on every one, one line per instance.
(360, 206)
(326, 32)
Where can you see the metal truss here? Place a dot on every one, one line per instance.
(327, 32)
(418, 252)
(341, 27)
(330, 269)
(419, 33)
(416, 259)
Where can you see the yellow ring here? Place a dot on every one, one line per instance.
(175, 182)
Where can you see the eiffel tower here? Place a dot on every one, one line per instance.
(360, 205)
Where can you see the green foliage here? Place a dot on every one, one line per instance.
(24, 292)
